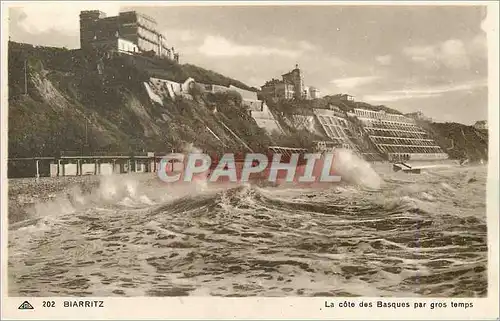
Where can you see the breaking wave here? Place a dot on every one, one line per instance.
(354, 169)
(378, 233)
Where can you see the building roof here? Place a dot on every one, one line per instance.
(291, 71)
(92, 11)
(139, 14)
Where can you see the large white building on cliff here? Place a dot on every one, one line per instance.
(129, 32)
(398, 136)
(289, 87)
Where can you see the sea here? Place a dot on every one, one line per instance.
(376, 233)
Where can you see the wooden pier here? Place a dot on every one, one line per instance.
(78, 165)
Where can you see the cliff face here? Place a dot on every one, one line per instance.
(457, 140)
(69, 100)
(62, 100)
(460, 141)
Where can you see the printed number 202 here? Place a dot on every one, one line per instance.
(49, 304)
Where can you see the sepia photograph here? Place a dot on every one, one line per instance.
(246, 150)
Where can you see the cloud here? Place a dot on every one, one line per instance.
(479, 46)
(388, 97)
(384, 60)
(335, 61)
(420, 53)
(425, 92)
(182, 35)
(184, 39)
(40, 17)
(353, 82)
(217, 46)
(255, 81)
(306, 46)
(452, 53)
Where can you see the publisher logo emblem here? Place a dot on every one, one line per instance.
(26, 306)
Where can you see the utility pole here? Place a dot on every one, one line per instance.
(87, 124)
(25, 77)
(86, 131)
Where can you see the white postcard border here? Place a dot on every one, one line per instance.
(274, 308)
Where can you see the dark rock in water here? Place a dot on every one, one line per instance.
(472, 180)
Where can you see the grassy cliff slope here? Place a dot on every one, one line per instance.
(66, 104)
(70, 100)
(459, 141)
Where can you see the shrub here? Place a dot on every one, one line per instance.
(196, 90)
(235, 97)
(224, 98)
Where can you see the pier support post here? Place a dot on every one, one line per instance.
(97, 167)
(78, 168)
(128, 166)
(37, 168)
(135, 169)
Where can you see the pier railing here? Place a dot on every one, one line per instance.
(73, 163)
(69, 163)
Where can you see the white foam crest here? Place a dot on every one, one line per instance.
(77, 196)
(354, 169)
(131, 187)
(38, 226)
(200, 184)
(190, 148)
(427, 197)
(146, 200)
(448, 188)
(57, 206)
(127, 202)
(117, 189)
(107, 189)
(112, 189)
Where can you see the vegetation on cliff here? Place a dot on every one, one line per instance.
(70, 104)
(70, 100)
(305, 106)
(459, 141)
(348, 105)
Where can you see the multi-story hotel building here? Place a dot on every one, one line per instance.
(278, 89)
(295, 78)
(290, 86)
(334, 123)
(128, 32)
(398, 137)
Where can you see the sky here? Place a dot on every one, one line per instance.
(411, 58)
